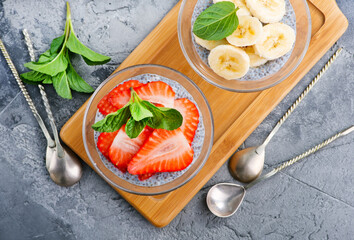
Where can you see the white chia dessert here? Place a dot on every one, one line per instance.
(260, 62)
(196, 143)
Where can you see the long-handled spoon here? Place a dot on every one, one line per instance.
(58, 177)
(64, 167)
(246, 165)
(224, 199)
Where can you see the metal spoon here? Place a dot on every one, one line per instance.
(224, 199)
(64, 167)
(246, 165)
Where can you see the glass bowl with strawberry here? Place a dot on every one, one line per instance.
(148, 129)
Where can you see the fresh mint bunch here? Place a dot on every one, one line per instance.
(54, 65)
(138, 113)
(217, 21)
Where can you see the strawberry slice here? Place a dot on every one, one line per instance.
(104, 142)
(190, 117)
(157, 92)
(163, 151)
(119, 99)
(124, 148)
(143, 177)
(105, 107)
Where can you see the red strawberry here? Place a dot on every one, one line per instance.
(143, 177)
(190, 117)
(127, 85)
(105, 106)
(157, 92)
(124, 148)
(104, 142)
(164, 151)
(119, 99)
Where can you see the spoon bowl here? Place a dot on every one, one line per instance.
(64, 170)
(224, 199)
(246, 165)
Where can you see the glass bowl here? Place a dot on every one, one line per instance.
(303, 36)
(90, 115)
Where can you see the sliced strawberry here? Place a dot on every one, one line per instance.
(143, 177)
(164, 151)
(105, 107)
(124, 148)
(104, 142)
(120, 98)
(190, 117)
(127, 85)
(157, 92)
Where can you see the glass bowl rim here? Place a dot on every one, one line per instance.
(99, 172)
(301, 57)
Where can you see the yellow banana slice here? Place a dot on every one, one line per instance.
(229, 62)
(209, 44)
(249, 30)
(277, 40)
(255, 59)
(267, 11)
(241, 4)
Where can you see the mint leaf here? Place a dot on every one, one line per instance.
(165, 118)
(56, 44)
(90, 57)
(76, 82)
(61, 85)
(139, 111)
(53, 67)
(113, 121)
(33, 76)
(217, 21)
(46, 57)
(134, 128)
(48, 80)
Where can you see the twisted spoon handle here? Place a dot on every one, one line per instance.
(50, 141)
(300, 98)
(59, 148)
(301, 156)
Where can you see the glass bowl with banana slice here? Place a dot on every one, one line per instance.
(244, 45)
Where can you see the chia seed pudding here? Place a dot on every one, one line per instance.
(197, 144)
(256, 73)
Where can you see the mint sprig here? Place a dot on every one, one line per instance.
(138, 113)
(217, 21)
(54, 65)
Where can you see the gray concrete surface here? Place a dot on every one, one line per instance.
(312, 200)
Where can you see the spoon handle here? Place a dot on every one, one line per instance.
(59, 148)
(300, 98)
(301, 156)
(23, 89)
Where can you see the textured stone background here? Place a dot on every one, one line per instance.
(314, 199)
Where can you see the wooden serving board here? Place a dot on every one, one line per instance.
(232, 125)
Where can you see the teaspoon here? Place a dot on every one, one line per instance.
(224, 199)
(63, 166)
(246, 165)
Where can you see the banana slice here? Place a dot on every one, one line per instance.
(209, 44)
(249, 30)
(267, 11)
(229, 62)
(255, 60)
(241, 4)
(277, 40)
